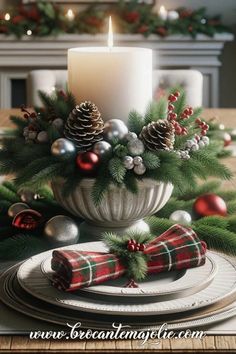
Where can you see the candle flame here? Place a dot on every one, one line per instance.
(162, 9)
(110, 34)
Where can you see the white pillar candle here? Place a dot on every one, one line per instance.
(117, 79)
(163, 13)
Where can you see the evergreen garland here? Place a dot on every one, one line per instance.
(44, 18)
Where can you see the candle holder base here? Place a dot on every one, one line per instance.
(94, 232)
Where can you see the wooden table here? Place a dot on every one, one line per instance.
(209, 344)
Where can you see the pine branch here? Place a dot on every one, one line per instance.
(117, 169)
(135, 122)
(150, 160)
(217, 238)
(156, 111)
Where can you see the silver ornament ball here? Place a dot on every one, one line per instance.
(58, 123)
(181, 217)
(102, 148)
(61, 230)
(136, 147)
(128, 162)
(138, 160)
(140, 169)
(27, 196)
(63, 148)
(131, 136)
(42, 137)
(16, 208)
(189, 144)
(114, 129)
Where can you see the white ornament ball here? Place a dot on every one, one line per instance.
(201, 144)
(16, 208)
(58, 123)
(102, 148)
(140, 169)
(61, 230)
(138, 160)
(189, 144)
(128, 162)
(42, 137)
(131, 136)
(185, 155)
(206, 140)
(136, 147)
(195, 147)
(114, 129)
(181, 217)
(63, 148)
(173, 15)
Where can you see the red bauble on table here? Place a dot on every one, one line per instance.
(87, 162)
(210, 204)
(27, 219)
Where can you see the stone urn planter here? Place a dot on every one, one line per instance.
(120, 210)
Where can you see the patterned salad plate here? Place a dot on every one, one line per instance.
(33, 280)
(166, 285)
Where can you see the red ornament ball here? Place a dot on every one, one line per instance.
(27, 219)
(87, 162)
(210, 204)
(227, 139)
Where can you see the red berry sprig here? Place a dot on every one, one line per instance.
(134, 246)
(203, 126)
(27, 114)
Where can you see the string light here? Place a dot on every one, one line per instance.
(70, 15)
(7, 17)
(29, 32)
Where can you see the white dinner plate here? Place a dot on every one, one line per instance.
(15, 297)
(167, 285)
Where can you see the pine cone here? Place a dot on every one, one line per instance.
(158, 135)
(84, 126)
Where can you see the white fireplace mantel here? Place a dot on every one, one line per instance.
(18, 57)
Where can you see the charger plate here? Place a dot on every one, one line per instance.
(34, 282)
(15, 297)
(165, 286)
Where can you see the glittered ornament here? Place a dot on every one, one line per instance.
(131, 136)
(58, 123)
(102, 148)
(61, 230)
(42, 137)
(140, 169)
(16, 208)
(63, 149)
(181, 217)
(114, 129)
(128, 162)
(27, 219)
(210, 204)
(87, 162)
(136, 147)
(138, 160)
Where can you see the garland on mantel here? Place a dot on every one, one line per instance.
(48, 19)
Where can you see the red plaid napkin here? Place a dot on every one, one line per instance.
(177, 248)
